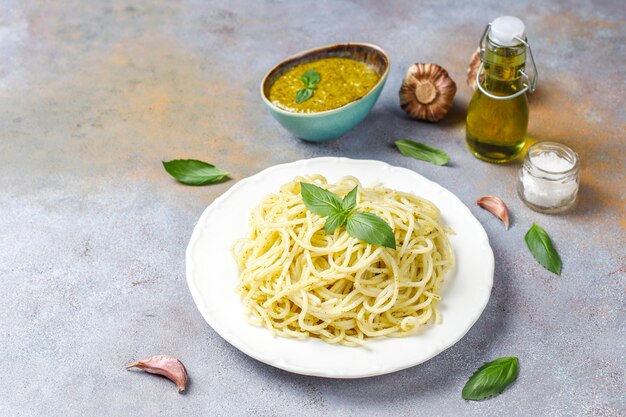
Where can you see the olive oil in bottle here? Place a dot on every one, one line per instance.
(497, 116)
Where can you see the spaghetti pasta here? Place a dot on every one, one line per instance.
(299, 282)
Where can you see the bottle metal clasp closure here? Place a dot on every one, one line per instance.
(530, 84)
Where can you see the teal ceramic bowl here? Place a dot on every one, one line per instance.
(330, 124)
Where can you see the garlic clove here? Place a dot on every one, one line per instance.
(495, 206)
(167, 366)
(472, 70)
(427, 92)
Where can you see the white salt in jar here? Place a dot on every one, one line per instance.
(548, 180)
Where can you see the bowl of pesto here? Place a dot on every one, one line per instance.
(322, 93)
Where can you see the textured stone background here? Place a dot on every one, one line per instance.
(93, 95)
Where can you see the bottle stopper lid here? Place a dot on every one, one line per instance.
(505, 29)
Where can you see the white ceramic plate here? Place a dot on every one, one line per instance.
(212, 275)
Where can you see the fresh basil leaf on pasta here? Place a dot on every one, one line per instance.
(367, 227)
(320, 201)
(334, 221)
(349, 200)
(194, 172)
(491, 379)
(423, 152)
(540, 245)
(370, 228)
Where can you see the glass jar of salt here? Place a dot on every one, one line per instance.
(548, 179)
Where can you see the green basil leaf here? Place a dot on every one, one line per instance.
(370, 228)
(320, 201)
(194, 172)
(303, 95)
(334, 221)
(310, 78)
(349, 200)
(540, 245)
(423, 152)
(491, 379)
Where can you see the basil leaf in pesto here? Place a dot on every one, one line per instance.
(310, 80)
(303, 95)
(194, 172)
(540, 245)
(423, 152)
(491, 379)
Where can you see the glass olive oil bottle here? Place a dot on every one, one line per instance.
(497, 116)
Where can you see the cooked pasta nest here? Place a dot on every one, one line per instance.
(300, 282)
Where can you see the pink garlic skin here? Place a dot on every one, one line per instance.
(495, 206)
(167, 366)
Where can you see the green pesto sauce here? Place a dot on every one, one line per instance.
(342, 81)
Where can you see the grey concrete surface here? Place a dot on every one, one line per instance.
(94, 95)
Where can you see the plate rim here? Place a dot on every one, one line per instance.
(302, 370)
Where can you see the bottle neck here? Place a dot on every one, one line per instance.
(503, 66)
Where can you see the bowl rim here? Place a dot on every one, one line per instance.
(303, 54)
